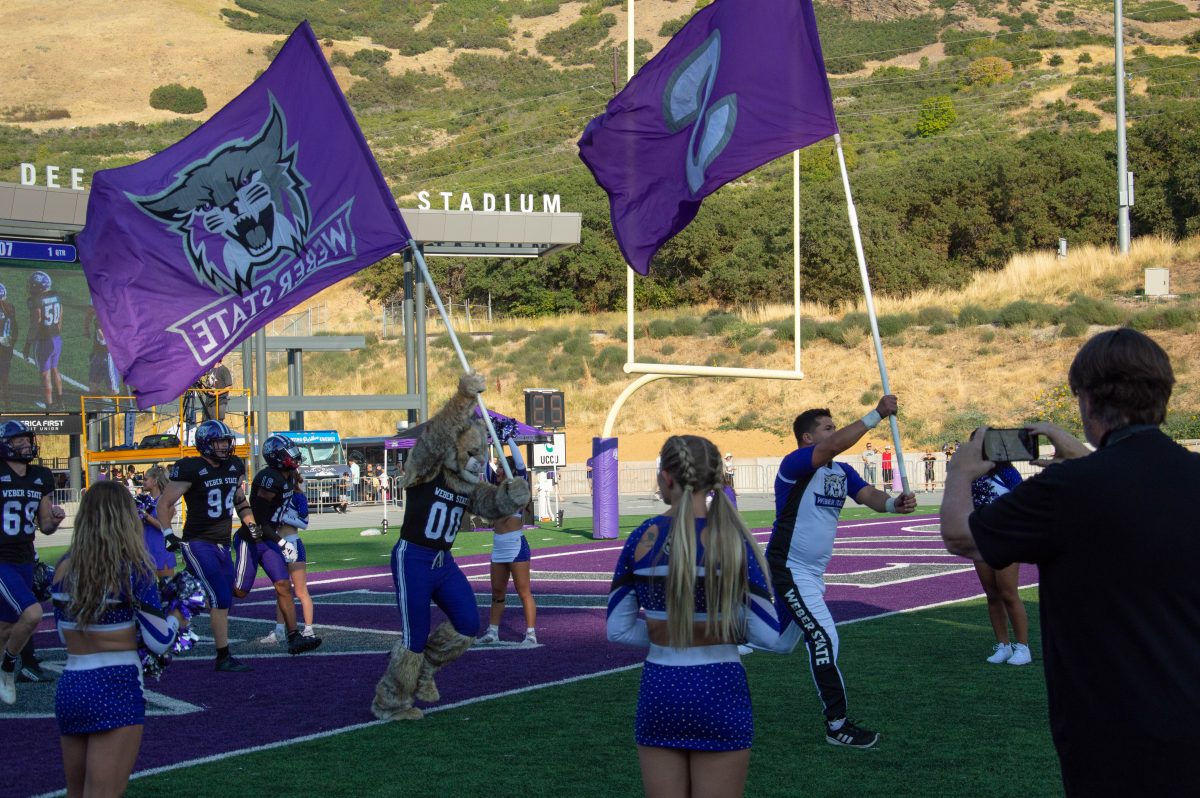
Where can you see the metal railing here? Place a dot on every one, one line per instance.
(758, 478)
(335, 494)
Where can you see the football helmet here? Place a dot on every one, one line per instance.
(281, 453)
(39, 280)
(207, 435)
(17, 429)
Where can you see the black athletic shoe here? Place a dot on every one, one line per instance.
(34, 673)
(298, 643)
(851, 736)
(232, 664)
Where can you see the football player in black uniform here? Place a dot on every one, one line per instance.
(25, 507)
(211, 489)
(8, 341)
(270, 495)
(43, 341)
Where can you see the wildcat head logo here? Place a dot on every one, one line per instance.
(835, 486)
(240, 208)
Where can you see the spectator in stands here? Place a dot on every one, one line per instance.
(930, 461)
(870, 459)
(355, 477)
(1113, 533)
(377, 480)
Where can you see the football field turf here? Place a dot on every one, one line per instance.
(558, 719)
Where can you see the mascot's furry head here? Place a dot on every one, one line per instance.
(464, 465)
(454, 444)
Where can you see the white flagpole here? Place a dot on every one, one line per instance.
(866, 281)
(462, 358)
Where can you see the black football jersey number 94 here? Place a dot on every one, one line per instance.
(209, 499)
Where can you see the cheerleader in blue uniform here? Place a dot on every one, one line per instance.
(700, 579)
(155, 482)
(104, 587)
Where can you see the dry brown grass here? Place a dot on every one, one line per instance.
(996, 371)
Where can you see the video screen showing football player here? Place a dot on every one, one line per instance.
(43, 341)
(103, 377)
(8, 341)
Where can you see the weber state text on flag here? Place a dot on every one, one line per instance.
(741, 84)
(273, 199)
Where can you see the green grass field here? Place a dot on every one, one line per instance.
(335, 549)
(952, 725)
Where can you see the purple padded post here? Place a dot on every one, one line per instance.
(605, 504)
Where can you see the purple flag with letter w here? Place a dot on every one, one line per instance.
(741, 84)
(276, 197)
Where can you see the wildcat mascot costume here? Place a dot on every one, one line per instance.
(443, 480)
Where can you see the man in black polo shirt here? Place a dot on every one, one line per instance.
(1115, 538)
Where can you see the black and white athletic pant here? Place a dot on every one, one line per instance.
(802, 595)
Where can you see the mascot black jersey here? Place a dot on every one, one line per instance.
(20, 498)
(434, 514)
(209, 500)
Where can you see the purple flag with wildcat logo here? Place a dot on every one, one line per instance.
(276, 197)
(741, 84)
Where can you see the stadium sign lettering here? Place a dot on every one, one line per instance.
(491, 203)
(29, 176)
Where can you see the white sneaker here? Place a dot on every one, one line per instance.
(308, 632)
(1020, 655)
(8, 687)
(530, 639)
(1001, 653)
(745, 650)
(488, 639)
(271, 639)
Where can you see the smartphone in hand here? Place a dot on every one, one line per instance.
(1010, 445)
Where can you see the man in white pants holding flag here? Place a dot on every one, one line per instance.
(809, 493)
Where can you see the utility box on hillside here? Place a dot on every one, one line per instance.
(1158, 282)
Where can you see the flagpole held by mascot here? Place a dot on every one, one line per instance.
(443, 481)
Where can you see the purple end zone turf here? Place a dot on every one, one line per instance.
(879, 567)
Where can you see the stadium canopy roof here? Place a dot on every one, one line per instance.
(41, 212)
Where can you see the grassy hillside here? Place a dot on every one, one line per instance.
(994, 352)
(975, 131)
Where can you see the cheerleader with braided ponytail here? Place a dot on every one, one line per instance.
(700, 579)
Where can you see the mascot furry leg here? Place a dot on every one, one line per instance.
(445, 645)
(394, 693)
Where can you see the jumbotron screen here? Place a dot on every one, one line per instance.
(51, 348)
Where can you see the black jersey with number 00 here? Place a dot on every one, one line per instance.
(20, 497)
(433, 514)
(209, 499)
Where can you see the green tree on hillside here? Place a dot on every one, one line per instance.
(936, 115)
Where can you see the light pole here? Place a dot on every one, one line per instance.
(1123, 198)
